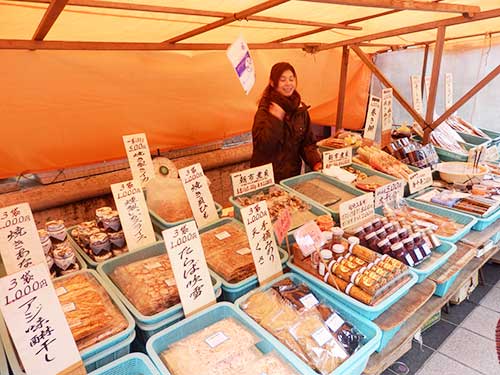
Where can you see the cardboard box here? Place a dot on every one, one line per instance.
(466, 289)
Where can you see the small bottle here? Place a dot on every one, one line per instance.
(337, 236)
(353, 241)
(376, 224)
(389, 228)
(372, 240)
(420, 243)
(393, 238)
(338, 251)
(403, 233)
(433, 238)
(384, 246)
(381, 233)
(399, 253)
(326, 256)
(412, 250)
(368, 228)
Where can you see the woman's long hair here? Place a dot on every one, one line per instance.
(276, 71)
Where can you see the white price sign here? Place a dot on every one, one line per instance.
(337, 158)
(134, 214)
(386, 109)
(262, 242)
(416, 93)
(199, 196)
(372, 116)
(309, 238)
(448, 87)
(139, 157)
(252, 179)
(20, 245)
(420, 180)
(190, 267)
(356, 210)
(37, 324)
(389, 193)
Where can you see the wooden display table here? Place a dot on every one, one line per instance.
(463, 260)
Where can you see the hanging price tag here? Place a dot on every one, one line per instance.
(282, 224)
(420, 180)
(372, 115)
(139, 157)
(37, 324)
(134, 214)
(260, 237)
(416, 93)
(20, 245)
(252, 179)
(356, 210)
(389, 193)
(448, 87)
(189, 266)
(309, 238)
(199, 196)
(337, 158)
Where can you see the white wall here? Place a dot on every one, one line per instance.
(468, 62)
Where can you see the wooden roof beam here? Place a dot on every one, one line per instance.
(53, 11)
(493, 13)
(226, 20)
(406, 5)
(132, 46)
(191, 12)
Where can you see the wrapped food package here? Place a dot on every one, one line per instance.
(269, 364)
(167, 198)
(225, 347)
(227, 252)
(148, 284)
(91, 314)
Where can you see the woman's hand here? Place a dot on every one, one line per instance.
(276, 111)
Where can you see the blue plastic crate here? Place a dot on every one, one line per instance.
(482, 223)
(232, 291)
(159, 224)
(445, 155)
(161, 341)
(147, 325)
(442, 289)
(290, 182)
(495, 136)
(94, 356)
(466, 220)
(387, 337)
(475, 140)
(131, 364)
(425, 269)
(369, 312)
(357, 362)
(316, 209)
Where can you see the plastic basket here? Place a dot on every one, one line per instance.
(232, 291)
(316, 209)
(424, 269)
(94, 356)
(445, 155)
(466, 220)
(475, 140)
(442, 289)
(91, 263)
(482, 222)
(369, 312)
(387, 337)
(160, 342)
(495, 136)
(161, 319)
(357, 362)
(131, 364)
(159, 224)
(290, 182)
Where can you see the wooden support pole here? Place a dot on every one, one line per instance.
(460, 102)
(436, 68)
(416, 116)
(342, 86)
(53, 11)
(424, 69)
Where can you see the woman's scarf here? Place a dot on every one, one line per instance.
(290, 104)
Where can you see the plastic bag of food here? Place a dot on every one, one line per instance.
(167, 198)
(269, 364)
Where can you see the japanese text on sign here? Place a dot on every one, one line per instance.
(134, 214)
(386, 109)
(309, 238)
(252, 179)
(448, 87)
(36, 322)
(356, 210)
(139, 158)
(372, 116)
(199, 196)
(420, 180)
(190, 267)
(20, 245)
(389, 193)
(416, 93)
(282, 224)
(260, 236)
(339, 157)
